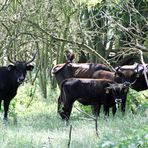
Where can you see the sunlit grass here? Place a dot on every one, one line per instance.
(39, 126)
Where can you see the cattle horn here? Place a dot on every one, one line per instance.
(118, 68)
(136, 66)
(128, 83)
(31, 59)
(10, 60)
(133, 82)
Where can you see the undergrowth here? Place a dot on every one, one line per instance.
(34, 123)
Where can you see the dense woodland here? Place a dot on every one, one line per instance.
(112, 32)
(102, 31)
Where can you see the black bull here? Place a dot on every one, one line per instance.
(91, 92)
(11, 77)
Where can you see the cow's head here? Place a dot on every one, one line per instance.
(118, 91)
(19, 68)
(128, 73)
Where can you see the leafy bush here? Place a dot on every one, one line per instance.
(136, 101)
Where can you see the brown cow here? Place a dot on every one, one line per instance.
(133, 73)
(91, 92)
(76, 70)
(79, 70)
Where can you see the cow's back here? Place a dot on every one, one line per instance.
(76, 70)
(102, 74)
(91, 89)
(86, 70)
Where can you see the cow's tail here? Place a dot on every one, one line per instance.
(58, 68)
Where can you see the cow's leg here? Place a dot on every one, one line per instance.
(123, 107)
(6, 107)
(64, 108)
(106, 110)
(65, 112)
(95, 109)
(68, 112)
(60, 109)
(114, 110)
(68, 106)
(59, 104)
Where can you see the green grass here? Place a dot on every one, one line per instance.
(39, 126)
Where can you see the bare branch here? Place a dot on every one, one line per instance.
(92, 117)
(141, 47)
(144, 65)
(88, 48)
(5, 3)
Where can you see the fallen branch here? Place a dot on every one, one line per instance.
(92, 117)
(69, 136)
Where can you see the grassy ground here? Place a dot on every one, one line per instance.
(39, 126)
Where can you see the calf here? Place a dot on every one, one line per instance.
(10, 79)
(91, 92)
(103, 74)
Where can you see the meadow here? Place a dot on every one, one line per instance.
(34, 123)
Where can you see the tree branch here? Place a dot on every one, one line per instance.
(88, 48)
(92, 117)
(144, 65)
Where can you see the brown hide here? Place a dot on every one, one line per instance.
(133, 75)
(76, 70)
(102, 74)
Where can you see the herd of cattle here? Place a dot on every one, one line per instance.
(88, 83)
(96, 85)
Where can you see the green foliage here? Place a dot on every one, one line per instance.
(136, 101)
(96, 27)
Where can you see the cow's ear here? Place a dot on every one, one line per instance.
(127, 84)
(107, 90)
(137, 75)
(11, 67)
(29, 67)
(118, 74)
(126, 90)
